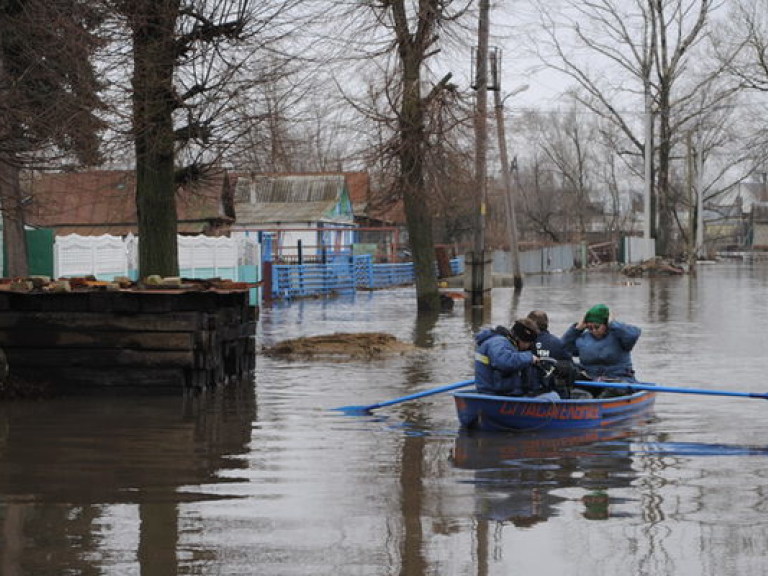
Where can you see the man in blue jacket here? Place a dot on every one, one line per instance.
(504, 360)
(604, 346)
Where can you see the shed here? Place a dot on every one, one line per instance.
(307, 214)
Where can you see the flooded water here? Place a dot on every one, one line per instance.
(270, 480)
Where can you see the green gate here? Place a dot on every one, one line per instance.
(39, 252)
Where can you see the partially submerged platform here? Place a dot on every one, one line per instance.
(150, 340)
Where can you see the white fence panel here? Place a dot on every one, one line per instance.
(101, 256)
(208, 257)
(199, 257)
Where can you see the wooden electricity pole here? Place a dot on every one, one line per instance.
(478, 263)
(506, 171)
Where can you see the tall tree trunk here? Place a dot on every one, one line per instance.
(14, 238)
(153, 25)
(665, 201)
(417, 206)
(417, 212)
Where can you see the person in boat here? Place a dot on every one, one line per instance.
(562, 373)
(547, 344)
(504, 360)
(603, 346)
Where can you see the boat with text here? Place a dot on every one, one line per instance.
(489, 412)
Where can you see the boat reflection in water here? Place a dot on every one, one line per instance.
(523, 477)
(519, 477)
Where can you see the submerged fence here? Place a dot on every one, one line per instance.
(240, 259)
(342, 275)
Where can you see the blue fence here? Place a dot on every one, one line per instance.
(303, 280)
(342, 275)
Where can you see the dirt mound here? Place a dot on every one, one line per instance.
(360, 345)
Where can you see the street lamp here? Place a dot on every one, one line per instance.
(506, 171)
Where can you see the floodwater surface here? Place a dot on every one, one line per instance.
(271, 480)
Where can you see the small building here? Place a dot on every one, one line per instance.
(307, 215)
(100, 202)
(382, 228)
(759, 226)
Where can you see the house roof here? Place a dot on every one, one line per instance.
(285, 198)
(104, 202)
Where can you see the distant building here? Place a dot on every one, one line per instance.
(309, 214)
(104, 202)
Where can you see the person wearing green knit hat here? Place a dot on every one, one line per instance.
(603, 345)
(598, 314)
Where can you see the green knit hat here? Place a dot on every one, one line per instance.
(598, 314)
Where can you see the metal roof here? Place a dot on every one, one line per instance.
(104, 202)
(296, 198)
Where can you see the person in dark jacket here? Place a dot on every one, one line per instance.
(504, 359)
(604, 346)
(547, 344)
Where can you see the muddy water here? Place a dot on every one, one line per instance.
(271, 481)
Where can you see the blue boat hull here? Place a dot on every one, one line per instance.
(487, 412)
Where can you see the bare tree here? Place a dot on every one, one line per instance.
(652, 47)
(48, 100)
(743, 44)
(541, 194)
(189, 63)
(411, 31)
(567, 143)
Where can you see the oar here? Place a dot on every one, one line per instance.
(655, 388)
(364, 409)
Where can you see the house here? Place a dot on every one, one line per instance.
(104, 202)
(305, 214)
(369, 211)
(756, 210)
(382, 228)
(759, 226)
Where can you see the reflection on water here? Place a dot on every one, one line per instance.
(270, 480)
(518, 476)
(78, 471)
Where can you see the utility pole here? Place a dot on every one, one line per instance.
(479, 268)
(700, 230)
(506, 171)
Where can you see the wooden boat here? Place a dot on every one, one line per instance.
(488, 412)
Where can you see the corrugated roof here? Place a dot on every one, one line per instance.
(300, 198)
(275, 212)
(125, 229)
(103, 201)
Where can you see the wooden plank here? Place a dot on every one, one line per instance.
(35, 339)
(102, 357)
(78, 377)
(170, 322)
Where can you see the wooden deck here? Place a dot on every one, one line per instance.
(151, 340)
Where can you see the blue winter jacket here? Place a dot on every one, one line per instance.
(500, 368)
(608, 357)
